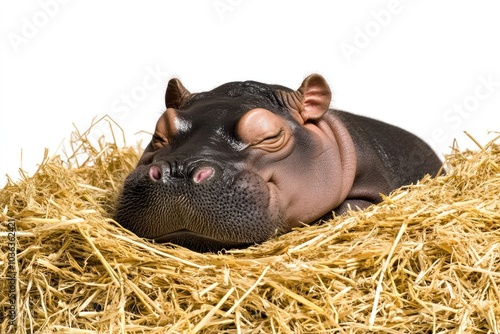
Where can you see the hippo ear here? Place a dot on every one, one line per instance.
(176, 94)
(316, 97)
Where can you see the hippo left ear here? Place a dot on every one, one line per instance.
(316, 97)
(311, 101)
(176, 94)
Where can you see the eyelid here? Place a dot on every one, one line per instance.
(159, 137)
(273, 137)
(159, 140)
(275, 143)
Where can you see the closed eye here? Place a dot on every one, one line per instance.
(273, 137)
(262, 129)
(159, 140)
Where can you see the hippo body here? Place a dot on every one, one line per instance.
(247, 161)
(388, 158)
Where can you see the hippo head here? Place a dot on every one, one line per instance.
(236, 165)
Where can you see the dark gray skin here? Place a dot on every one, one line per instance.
(247, 161)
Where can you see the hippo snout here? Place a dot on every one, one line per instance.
(165, 172)
(199, 206)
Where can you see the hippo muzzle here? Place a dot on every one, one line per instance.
(202, 208)
(247, 161)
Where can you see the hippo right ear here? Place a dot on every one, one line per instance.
(176, 94)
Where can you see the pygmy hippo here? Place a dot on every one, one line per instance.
(247, 161)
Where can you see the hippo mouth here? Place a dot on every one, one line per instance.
(199, 242)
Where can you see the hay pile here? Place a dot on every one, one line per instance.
(426, 260)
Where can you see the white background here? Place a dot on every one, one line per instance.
(419, 64)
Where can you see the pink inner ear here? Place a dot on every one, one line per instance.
(316, 97)
(315, 104)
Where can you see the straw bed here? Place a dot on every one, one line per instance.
(425, 260)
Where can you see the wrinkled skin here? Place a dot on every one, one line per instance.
(247, 161)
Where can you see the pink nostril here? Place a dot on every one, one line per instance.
(203, 174)
(155, 173)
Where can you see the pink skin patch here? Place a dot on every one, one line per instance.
(203, 174)
(155, 173)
